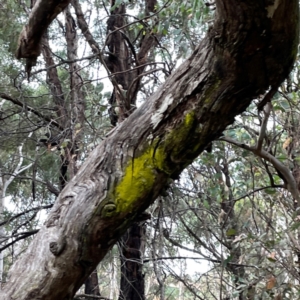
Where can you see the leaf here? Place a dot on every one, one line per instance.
(206, 204)
(245, 153)
(286, 143)
(271, 257)
(271, 283)
(117, 4)
(270, 243)
(285, 104)
(65, 143)
(231, 133)
(295, 226)
(282, 157)
(77, 131)
(270, 191)
(99, 88)
(239, 238)
(227, 260)
(77, 126)
(277, 107)
(231, 232)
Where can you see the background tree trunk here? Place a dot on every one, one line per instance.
(92, 285)
(132, 279)
(123, 60)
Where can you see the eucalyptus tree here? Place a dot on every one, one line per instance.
(248, 51)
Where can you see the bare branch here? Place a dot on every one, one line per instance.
(34, 111)
(23, 236)
(25, 212)
(278, 165)
(263, 128)
(80, 296)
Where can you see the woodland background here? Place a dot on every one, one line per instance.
(227, 228)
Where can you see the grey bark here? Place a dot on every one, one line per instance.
(249, 49)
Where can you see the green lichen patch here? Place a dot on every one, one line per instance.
(139, 177)
(140, 173)
(175, 142)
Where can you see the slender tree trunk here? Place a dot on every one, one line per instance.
(123, 60)
(2, 231)
(132, 279)
(229, 222)
(92, 285)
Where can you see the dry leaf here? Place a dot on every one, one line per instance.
(287, 143)
(271, 283)
(271, 256)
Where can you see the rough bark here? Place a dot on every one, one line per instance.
(249, 49)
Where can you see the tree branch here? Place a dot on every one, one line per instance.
(24, 235)
(24, 213)
(263, 128)
(278, 165)
(80, 296)
(35, 112)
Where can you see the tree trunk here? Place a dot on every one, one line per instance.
(132, 279)
(249, 49)
(122, 61)
(92, 285)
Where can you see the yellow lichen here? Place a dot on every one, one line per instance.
(138, 179)
(140, 173)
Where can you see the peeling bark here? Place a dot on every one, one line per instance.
(244, 53)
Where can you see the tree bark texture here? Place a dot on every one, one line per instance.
(250, 48)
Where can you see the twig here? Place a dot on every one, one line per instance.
(35, 112)
(80, 296)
